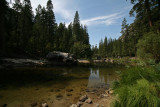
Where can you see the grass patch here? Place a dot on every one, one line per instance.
(138, 87)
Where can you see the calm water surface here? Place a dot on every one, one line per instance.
(58, 86)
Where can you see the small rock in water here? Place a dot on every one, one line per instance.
(58, 90)
(87, 90)
(1, 96)
(44, 105)
(69, 94)
(89, 101)
(83, 98)
(34, 104)
(107, 91)
(59, 96)
(4, 105)
(48, 99)
(51, 90)
(37, 89)
(111, 91)
(63, 87)
(94, 90)
(104, 95)
(69, 90)
(97, 105)
(73, 105)
(79, 104)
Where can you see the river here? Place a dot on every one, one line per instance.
(58, 86)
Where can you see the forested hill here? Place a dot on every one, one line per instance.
(22, 32)
(140, 38)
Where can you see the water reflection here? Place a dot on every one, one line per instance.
(95, 79)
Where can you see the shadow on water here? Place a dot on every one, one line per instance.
(47, 76)
(61, 85)
(39, 76)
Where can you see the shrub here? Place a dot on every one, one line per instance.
(138, 87)
(148, 46)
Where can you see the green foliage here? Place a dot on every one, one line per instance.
(138, 87)
(81, 50)
(3, 18)
(142, 94)
(40, 34)
(148, 46)
(134, 38)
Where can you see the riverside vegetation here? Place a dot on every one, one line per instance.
(24, 35)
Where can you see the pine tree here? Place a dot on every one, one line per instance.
(76, 27)
(25, 24)
(51, 22)
(105, 46)
(124, 37)
(3, 10)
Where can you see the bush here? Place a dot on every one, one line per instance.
(138, 87)
(148, 46)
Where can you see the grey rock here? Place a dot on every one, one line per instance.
(44, 105)
(73, 105)
(83, 98)
(97, 105)
(57, 57)
(89, 101)
(79, 104)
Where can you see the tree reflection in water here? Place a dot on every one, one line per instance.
(95, 80)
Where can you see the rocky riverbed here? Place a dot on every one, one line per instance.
(56, 86)
(103, 100)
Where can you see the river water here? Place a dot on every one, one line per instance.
(57, 86)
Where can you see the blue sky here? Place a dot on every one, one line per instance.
(103, 17)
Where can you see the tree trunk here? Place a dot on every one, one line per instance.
(148, 12)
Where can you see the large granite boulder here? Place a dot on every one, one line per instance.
(61, 58)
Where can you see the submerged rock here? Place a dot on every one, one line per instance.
(69, 90)
(57, 90)
(52, 90)
(59, 96)
(34, 104)
(4, 105)
(87, 90)
(69, 94)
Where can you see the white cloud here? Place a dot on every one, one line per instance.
(107, 20)
(66, 10)
(63, 8)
